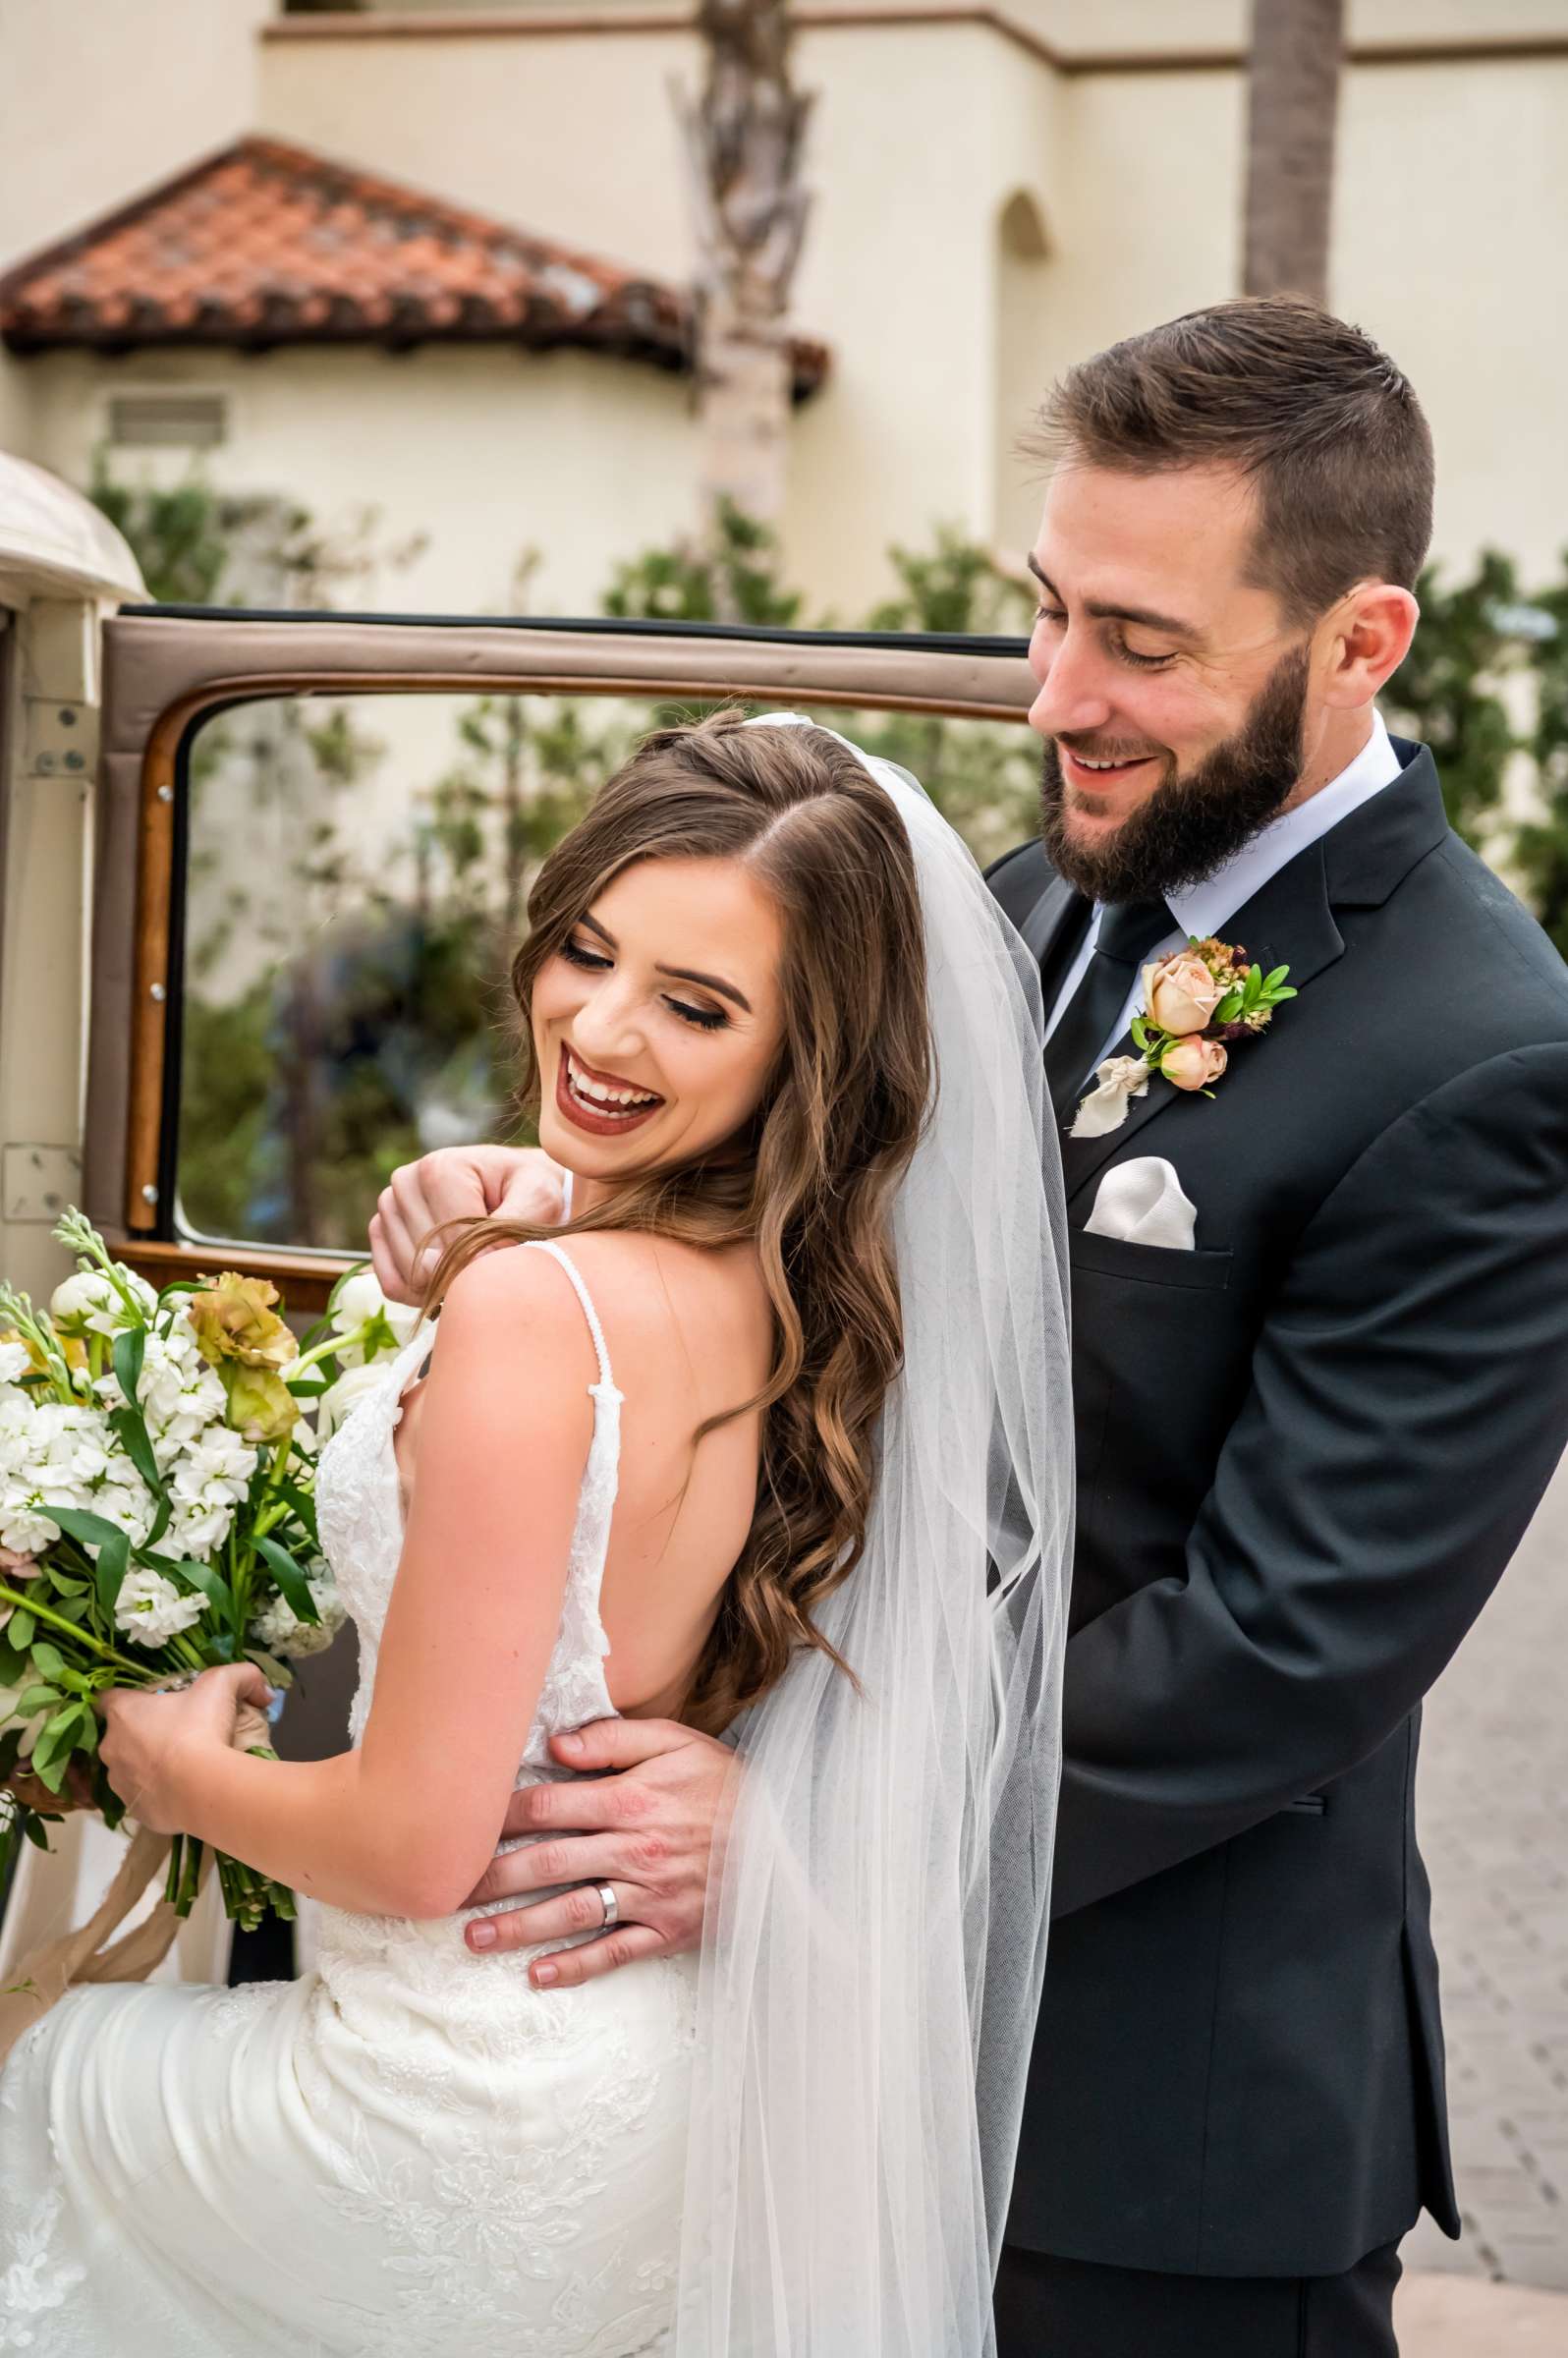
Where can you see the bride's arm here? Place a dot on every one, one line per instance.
(406, 1826)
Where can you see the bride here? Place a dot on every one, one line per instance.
(772, 1436)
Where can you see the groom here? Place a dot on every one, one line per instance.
(1321, 1323)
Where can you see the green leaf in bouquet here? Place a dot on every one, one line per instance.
(129, 1425)
(21, 1627)
(278, 1673)
(213, 1585)
(65, 1584)
(89, 1531)
(290, 1579)
(114, 1561)
(52, 1752)
(303, 1506)
(47, 1660)
(37, 1699)
(54, 1728)
(33, 1827)
(14, 1665)
(130, 1350)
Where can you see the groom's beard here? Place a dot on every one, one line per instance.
(1191, 825)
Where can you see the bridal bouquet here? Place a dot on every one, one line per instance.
(158, 1512)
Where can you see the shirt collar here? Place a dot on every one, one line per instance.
(1199, 910)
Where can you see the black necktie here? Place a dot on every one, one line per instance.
(1128, 931)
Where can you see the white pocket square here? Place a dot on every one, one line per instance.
(1142, 1201)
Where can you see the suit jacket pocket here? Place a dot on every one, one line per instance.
(1154, 1264)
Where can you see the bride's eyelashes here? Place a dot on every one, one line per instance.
(706, 1019)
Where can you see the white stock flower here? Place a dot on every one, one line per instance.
(351, 1386)
(151, 1610)
(198, 1530)
(177, 1393)
(16, 1434)
(220, 1459)
(209, 1481)
(90, 1304)
(14, 1360)
(24, 1529)
(124, 1504)
(280, 1632)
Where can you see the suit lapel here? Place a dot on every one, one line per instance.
(1049, 922)
(1288, 922)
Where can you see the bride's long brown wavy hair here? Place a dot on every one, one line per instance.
(810, 1179)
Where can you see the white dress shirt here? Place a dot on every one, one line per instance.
(1201, 910)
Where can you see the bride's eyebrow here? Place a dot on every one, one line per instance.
(677, 973)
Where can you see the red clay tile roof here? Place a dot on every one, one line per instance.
(265, 243)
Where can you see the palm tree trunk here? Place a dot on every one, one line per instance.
(1296, 47)
(743, 139)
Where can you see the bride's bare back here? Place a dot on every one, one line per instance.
(689, 1335)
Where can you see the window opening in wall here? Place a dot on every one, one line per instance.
(167, 420)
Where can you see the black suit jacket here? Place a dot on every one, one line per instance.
(1306, 1452)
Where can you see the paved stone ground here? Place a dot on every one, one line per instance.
(1492, 1811)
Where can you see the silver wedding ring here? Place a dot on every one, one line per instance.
(611, 1906)
(177, 1686)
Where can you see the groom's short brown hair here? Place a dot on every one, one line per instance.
(1320, 420)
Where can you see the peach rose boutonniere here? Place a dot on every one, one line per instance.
(1198, 1002)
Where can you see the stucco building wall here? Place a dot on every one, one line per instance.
(982, 216)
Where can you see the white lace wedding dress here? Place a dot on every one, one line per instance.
(409, 2152)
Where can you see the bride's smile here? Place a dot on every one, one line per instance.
(602, 1104)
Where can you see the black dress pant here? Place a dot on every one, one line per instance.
(1049, 2307)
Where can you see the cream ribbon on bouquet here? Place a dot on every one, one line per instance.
(91, 1953)
(1197, 1003)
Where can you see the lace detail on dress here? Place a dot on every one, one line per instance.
(33, 2283)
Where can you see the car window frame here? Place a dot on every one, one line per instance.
(170, 670)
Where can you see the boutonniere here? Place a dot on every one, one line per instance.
(1198, 1002)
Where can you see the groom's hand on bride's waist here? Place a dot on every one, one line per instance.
(644, 1826)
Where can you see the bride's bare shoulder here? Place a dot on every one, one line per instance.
(654, 1296)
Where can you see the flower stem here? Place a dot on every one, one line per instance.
(334, 1342)
(77, 1634)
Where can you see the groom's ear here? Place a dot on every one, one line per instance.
(1363, 639)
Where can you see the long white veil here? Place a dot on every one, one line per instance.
(876, 1929)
